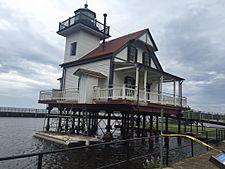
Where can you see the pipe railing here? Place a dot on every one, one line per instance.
(55, 94)
(126, 161)
(84, 19)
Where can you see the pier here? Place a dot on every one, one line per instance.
(22, 112)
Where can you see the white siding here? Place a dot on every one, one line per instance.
(86, 88)
(153, 64)
(119, 77)
(91, 82)
(154, 86)
(122, 54)
(139, 57)
(85, 43)
(145, 38)
(71, 81)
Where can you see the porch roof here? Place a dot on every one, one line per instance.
(167, 77)
(80, 71)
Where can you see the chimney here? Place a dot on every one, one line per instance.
(103, 43)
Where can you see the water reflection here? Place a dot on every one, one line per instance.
(16, 138)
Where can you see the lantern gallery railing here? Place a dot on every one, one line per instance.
(128, 93)
(84, 19)
(54, 94)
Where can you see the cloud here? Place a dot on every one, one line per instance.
(189, 34)
(192, 48)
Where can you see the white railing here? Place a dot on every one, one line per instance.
(128, 93)
(54, 94)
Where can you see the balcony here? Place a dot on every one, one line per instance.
(59, 95)
(84, 19)
(126, 93)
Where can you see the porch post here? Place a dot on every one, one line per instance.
(145, 84)
(180, 92)
(136, 81)
(174, 92)
(160, 89)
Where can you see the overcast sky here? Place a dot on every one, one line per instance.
(190, 36)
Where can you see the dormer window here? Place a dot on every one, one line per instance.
(146, 58)
(132, 54)
(73, 49)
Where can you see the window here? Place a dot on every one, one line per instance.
(129, 81)
(146, 58)
(132, 54)
(73, 49)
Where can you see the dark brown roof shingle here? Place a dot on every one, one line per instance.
(112, 46)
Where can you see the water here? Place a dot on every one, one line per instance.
(16, 138)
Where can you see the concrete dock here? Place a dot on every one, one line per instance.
(68, 140)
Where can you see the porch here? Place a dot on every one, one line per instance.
(139, 96)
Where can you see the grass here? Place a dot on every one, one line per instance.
(173, 127)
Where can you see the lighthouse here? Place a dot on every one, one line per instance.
(83, 33)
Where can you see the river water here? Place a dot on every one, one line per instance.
(16, 139)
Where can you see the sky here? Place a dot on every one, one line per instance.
(189, 35)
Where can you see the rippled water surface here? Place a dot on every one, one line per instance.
(16, 138)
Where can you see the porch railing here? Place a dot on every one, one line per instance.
(55, 94)
(128, 93)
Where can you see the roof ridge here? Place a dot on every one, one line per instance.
(112, 45)
(127, 35)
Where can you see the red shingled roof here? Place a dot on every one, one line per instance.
(112, 46)
(89, 72)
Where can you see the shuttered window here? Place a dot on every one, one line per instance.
(132, 54)
(73, 49)
(146, 58)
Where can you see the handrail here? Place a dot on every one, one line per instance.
(40, 154)
(57, 94)
(81, 18)
(131, 93)
(24, 110)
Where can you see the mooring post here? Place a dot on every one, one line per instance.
(128, 124)
(179, 128)
(192, 148)
(108, 127)
(127, 152)
(197, 128)
(143, 126)
(78, 123)
(39, 166)
(157, 127)
(216, 134)
(60, 118)
(132, 124)
(73, 122)
(138, 124)
(49, 108)
(207, 138)
(67, 119)
(125, 125)
(122, 125)
(89, 123)
(167, 151)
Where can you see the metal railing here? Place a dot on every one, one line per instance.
(84, 19)
(22, 110)
(126, 161)
(54, 94)
(124, 92)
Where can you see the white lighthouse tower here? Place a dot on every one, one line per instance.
(83, 33)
